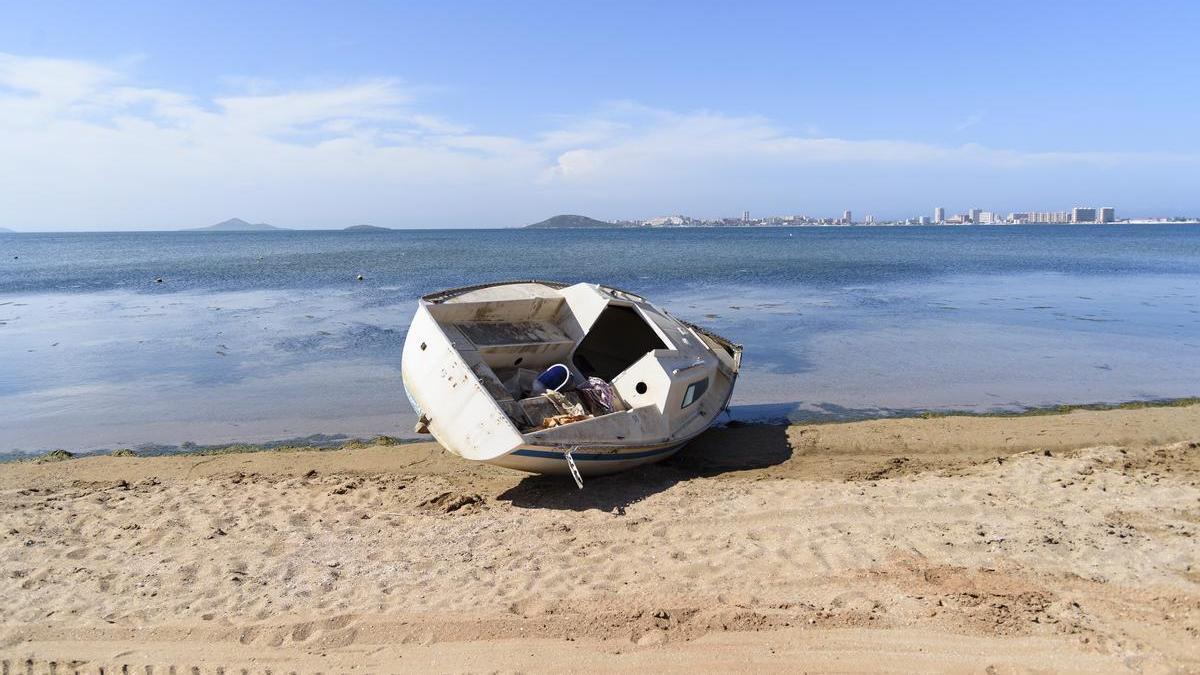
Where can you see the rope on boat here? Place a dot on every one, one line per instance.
(571, 465)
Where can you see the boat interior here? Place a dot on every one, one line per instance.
(657, 371)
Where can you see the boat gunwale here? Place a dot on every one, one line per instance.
(723, 341)
(438, 297)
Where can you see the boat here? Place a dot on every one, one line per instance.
(551, 378)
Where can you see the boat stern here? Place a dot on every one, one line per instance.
(448, 396)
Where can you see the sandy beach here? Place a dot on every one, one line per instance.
(978, 544)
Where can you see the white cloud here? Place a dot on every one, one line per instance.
(84, 146)
(371, 101)
(57, 80)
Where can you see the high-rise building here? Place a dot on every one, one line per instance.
(939, 215)
(1050, 217)
(1081, 214)
(923, 220)
(870, 220)
(745, 216)
(974, 214)
(985, 218)
(1107, 215)
(846, 217)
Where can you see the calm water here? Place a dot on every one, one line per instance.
(258, 337)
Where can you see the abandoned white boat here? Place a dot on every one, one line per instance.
(550, 378)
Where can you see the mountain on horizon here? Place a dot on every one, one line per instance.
(366, 228)
(235, 225)
(568, 221)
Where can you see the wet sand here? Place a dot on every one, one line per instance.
(1058, 542)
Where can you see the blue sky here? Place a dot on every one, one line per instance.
(159, 115)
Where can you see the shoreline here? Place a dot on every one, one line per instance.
(941, 543)
(343, 442)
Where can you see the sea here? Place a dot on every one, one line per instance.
(271, 337)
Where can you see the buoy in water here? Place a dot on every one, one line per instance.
(359, 277)
(158, 280)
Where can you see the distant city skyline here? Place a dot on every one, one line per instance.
(141, 115)
(974, 216)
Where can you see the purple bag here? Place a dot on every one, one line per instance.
(599, 396)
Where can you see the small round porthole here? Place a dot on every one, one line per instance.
(422, 346)
(640, 387)
(518, 361)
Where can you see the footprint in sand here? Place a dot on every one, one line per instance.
(250, 634)
(855, 602)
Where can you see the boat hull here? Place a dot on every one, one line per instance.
(589, 461)
(466, 350)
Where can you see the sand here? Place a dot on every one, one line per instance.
(1062, 542)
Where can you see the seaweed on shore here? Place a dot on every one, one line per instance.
(324, 444)
(58, 455)
(1065, 408)
(352, 444)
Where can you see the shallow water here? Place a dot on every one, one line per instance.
(257, 337)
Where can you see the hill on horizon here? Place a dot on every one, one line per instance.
(566, 221)
(235, 225)
(366, 228)
(5, 229)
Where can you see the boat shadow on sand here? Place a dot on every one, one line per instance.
(725, 450)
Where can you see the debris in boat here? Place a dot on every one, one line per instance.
(553, 409)
(599, 396)
(554, 378)
(519, 382)
(560, 420)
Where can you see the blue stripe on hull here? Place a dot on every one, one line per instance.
(595, 456)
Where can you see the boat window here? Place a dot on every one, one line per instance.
(694, 391)
(618, 338)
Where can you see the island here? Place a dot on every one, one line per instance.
(567, 221)
(236, 225)
(366, 228)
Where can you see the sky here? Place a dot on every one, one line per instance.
(153, 115)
